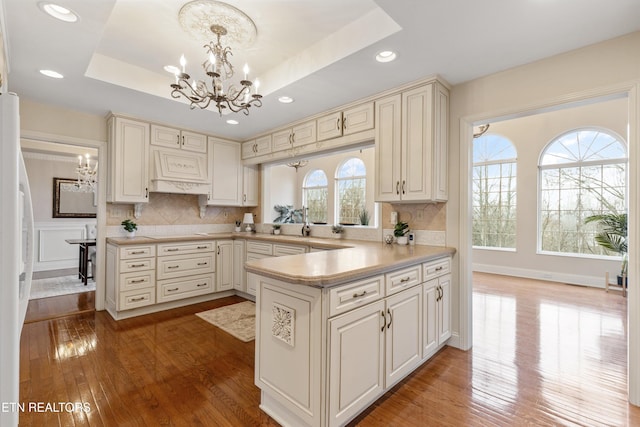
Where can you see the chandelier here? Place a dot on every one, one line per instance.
(86, 175)
(221, 19)
(298, 164)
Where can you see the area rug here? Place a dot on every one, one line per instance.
(55, 286)
(237, 319)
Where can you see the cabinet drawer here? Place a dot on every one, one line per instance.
(170, 290)
(347, 297)
(436, 268)
(133, 252)
(259, 247)
(127, 266)
(398, 280)
(137, 298)
(185, 248)
(281, 250)
(137, 280)
(185, 265)
(251, 257)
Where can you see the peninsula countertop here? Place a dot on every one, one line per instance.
(347, 261)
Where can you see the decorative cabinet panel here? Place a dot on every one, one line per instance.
(256, 147)
(128, 156)
(181, 139)
(346, 122)
(296, 136)
(239, 274)
(411, 145)
(130, 277)
(224, 265)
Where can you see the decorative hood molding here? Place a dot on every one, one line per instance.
(176, 171)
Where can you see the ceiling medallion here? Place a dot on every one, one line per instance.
(204, 20)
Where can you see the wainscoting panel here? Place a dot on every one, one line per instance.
(52, 251)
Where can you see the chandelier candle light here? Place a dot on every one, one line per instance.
(217, 66)
(86, 174)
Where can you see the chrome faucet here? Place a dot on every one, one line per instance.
(306, 229)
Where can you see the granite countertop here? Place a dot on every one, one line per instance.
(349, 260)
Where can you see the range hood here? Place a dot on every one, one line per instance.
(180, 172)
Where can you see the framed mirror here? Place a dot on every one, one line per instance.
(70, 201)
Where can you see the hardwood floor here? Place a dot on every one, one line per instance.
(544, 354)
(60, 306)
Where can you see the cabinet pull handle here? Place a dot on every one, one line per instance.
(344, 123)
(405, 280)
(173, 266)
(137, 252)
(361, 294)
(172, 249)
(182, 139)
(439, 268)
(172, 290)
(403, 183)
(178, 139)
(338, 124)
(137, 299)
(244, 198)
(390, 318)
(202, 263)
(199, 285)
(137, 281)
(146, 193)
(255, 148)
(218, 249)
(384, 321)
(137, 265)
(202, 247)
(397, 187)
(439, 289)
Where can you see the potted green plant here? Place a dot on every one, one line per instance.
(276, 228)
(613, 237)
(400, 230)
(364, 217)
(238, 224)
(337, 230)
(130, 227)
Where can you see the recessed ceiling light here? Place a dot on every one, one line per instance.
(285, 99)
(58, 12)
(232, 122)
(386, 56)
(51, 73)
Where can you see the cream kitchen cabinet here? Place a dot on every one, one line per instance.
(257, 249)
(185, 270)
(302, 134)
(256, 147)
(181, 139)
(250, 185)
(346, 122)
(411, 145)
(436, 294)
(130, 277)
(239, 274)
(224, 265)
(128, 161)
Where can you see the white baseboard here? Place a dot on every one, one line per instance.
(571, 279)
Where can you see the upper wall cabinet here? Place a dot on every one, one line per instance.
(346, 122)
(296, 136)
(128, 156)
(411, 145)
(176, 138)
(256, 147)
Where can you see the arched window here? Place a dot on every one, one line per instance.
(351, 180)
(314, 195)
(494, 192)
(582, 173)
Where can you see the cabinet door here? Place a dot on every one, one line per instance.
(239, 274)
(226, 173)
(357, 119)
(129, 161)
(329, 126)
(429, 318)
(403, 334)
(388, 134)
(304, 134)
(417, 153)
(356, 361)
(248, 149)
(263, 145)
(192, 141)
(444, 309)
(250, 183)
(224, 264)
(165, 136)
(281, 140)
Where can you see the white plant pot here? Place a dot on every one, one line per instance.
(403, 240)
(276, 231)
(238, 229)
(131, 234)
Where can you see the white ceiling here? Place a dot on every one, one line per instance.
(320, 52)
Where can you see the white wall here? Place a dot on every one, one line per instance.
(530, 135)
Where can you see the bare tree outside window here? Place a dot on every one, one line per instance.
(351, 179)
(314, 193)
(582, 173)
(494, 192)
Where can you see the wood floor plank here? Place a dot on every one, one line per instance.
(544, 354)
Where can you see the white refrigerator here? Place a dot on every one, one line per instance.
(16, 255)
